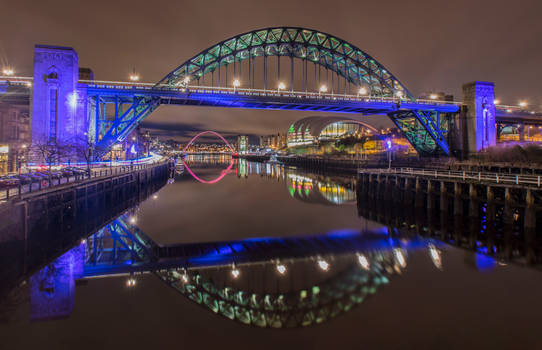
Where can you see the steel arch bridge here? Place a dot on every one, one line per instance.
(121, 247)
(345, 79)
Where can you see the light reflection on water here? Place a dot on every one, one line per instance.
(315, 260)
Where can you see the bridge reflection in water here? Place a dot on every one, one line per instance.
(268, 282)
(277, 282)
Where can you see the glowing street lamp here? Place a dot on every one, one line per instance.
(281, 268)
(236, 84)
(523, 104)
(433, 96)
(322, 90)
(399, 257)
(8, 71)
(324, 265)
(496, 101)
(134, 76)
(235, 272)
(281, 86)
(362, 91)
(362, 259)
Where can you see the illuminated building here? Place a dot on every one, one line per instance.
(242, 144)
(312, 130)
(14, 129)
(274, 141)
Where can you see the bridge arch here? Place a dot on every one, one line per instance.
(329, 51)
(223, 173)
(208, 132)
(296, 308)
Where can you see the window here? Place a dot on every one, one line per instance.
(52, 75)
(52, 115)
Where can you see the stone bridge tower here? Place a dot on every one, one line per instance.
(59, 114)
(477, 119)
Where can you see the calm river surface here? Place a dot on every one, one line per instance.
(259, 256)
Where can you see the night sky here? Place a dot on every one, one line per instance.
(430, 45)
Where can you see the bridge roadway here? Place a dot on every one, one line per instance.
(152, 257)
(276, 99)
(264, 99)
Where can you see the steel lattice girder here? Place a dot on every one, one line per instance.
(298, 308)
(321, 48)
(111, 131)
(424, 130)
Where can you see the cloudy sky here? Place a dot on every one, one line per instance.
(430, 45)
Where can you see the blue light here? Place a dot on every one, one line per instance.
(388, 143)
(484, 262)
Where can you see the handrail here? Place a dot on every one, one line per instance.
(49, 184)
(462, 175)
(266, 92)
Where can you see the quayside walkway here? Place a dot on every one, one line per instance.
(51, 184)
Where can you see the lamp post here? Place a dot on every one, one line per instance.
(389, 146)
(7, 71)
(20, 151)
(236, 84)
(322, 90)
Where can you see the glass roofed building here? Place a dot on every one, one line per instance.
(312, 130)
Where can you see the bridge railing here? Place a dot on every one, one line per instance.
(259, 92)
(497, 178)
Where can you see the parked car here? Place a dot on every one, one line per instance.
(8, 182)
(25, 179)
(78, 171)
(51, 174)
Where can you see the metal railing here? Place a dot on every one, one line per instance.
(259, 92)
(486, 177)
(53, 182)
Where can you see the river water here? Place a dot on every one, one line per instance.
(261, 256)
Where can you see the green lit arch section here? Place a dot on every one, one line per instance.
(301, 308)
(329, 51)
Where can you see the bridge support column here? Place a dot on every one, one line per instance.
(473, 201)
(458, 199)
(508, 215)
(477, 119)
(443, 197)
(490, 208)
(418, 201)
(529, 222)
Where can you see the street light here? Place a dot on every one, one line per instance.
(324, 265)
(362, 91)
(236, 84)
(433, 96)
(496, 101)
(323, 89)
(362, 259)
(8, 71)
(235, 271)
(281, 268)
(134, 76)
(523, 104)
(281, 86)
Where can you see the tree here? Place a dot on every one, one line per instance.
(48, 152)
(83, 149)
